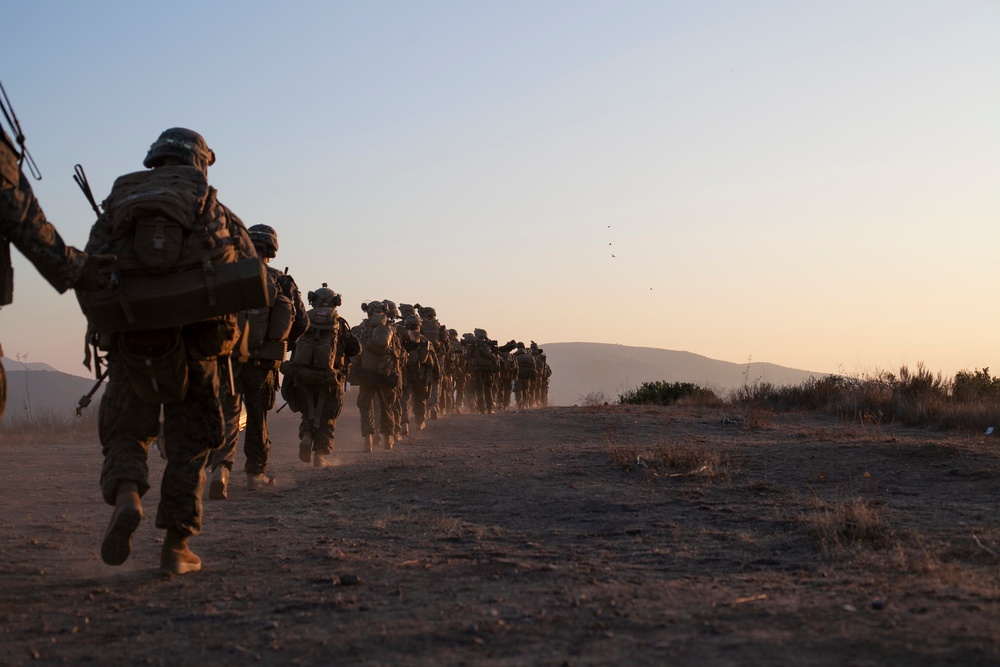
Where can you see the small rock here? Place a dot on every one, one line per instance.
(348, 580)
(849, 607)
(878, 604)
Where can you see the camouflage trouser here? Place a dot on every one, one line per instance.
(416, 392)
(481, 384)
(461, 381)
(192, 429)
(368, 395)
(395, 398)
(319, 418)
(505, 386)
(447, 397)
(3, 387)
(255, 388)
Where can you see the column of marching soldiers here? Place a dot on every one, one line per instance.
(188, 323)
(408, 368)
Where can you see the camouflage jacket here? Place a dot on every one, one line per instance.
(23, 223)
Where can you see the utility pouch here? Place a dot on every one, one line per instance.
(156, 364)
(6, 275)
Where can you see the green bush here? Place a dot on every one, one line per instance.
(665, 393)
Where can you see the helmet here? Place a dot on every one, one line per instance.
(373, 307)
(426, 312)
(390, 309)
(181, 143)
(406, 309)
(412, 321)
(264, 238)
(452, 333)
(481, 333)
(324, 297)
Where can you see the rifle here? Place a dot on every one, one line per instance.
(15, 127)
(81, 179)
(89, 396)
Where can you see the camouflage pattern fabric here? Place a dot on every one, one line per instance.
(368, 395)
(192, 429)
(323, 404)
(321, 425)
(256, 387)
(23, 223)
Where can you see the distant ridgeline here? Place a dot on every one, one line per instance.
(43, 388)
(579, 369)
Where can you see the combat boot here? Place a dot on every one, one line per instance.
(176, 557)
(421, 425)
(387, 440)
(406, 428)
(257, 481)
(117, 543)
(217, 490)
(368, 442)
(321, 461)
(305, 448)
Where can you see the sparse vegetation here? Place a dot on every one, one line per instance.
(45, 422)
(970, 401)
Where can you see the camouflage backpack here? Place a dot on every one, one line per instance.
(177, 261)
(315, 355)
(268, 327)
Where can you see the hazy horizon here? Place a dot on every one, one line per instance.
(811, 185)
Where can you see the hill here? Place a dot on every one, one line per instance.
(582, 368)
(44, 389)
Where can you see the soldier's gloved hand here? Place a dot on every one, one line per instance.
(96, 273)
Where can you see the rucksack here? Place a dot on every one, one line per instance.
(526, 369)
(268, 328)
(177, 261)
(317, 348)
(481, 357)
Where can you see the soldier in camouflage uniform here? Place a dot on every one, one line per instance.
(317, 371)
(193, 424)
(483, 363)
(377, 375)
(272, 331)
(23, 223)
(420, 374)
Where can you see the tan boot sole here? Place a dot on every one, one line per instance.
(117, 543)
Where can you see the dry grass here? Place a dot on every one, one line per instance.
(43, 423)
(848, 523)
(672, 460)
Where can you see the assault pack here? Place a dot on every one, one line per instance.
(315, 356)
(177, 264)
(268, 328)
(378, 363)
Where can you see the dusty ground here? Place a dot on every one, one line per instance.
(532, 539)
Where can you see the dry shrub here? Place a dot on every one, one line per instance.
(672, 460)
(593, 399)
(851, 522)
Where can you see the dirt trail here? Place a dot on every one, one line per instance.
(531, 539)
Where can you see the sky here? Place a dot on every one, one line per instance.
(807, 184)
